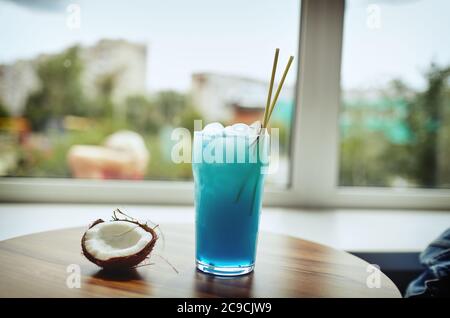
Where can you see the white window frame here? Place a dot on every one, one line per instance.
(314, 153)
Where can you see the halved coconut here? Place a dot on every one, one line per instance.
(118, 244)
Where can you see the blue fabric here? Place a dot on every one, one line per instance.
(435, 280)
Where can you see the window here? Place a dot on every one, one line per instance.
(73, 78)
(370, 125)
(395, 118)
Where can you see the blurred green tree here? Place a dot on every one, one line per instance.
(3, 111)
(426, 120)
(103, 105)
(142, 114)
(60, 91)
(171, 105)
(369, 158)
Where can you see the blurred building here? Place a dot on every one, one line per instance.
(124, 61)
(376, 112)
(231, 98)
(17, 81)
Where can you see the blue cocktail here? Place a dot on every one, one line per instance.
(229, 181)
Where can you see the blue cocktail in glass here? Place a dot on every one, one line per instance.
(229, 181)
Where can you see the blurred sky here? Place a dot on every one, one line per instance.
(232, 36)
(412, 34)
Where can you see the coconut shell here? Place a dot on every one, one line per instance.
(125, 262)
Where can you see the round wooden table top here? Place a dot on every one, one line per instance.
(40, 265)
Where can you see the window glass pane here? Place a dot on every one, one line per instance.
(395, 117)
(74, 75)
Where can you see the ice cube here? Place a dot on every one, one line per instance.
(254, 131)
(255, 128)
(235, 130)
(228, 131)
(240, 129)
(213, 129)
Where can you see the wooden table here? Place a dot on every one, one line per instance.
(36, 266)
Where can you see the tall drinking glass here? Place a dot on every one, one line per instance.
(229, 182)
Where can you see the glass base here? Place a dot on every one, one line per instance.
(224, 271)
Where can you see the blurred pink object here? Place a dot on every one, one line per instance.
(123, 156)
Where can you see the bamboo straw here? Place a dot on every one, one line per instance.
(270, 105)
(272, 79)
(280, 85)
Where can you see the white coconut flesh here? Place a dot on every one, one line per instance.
(116, 239)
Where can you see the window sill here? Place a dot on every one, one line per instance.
(351, 230)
